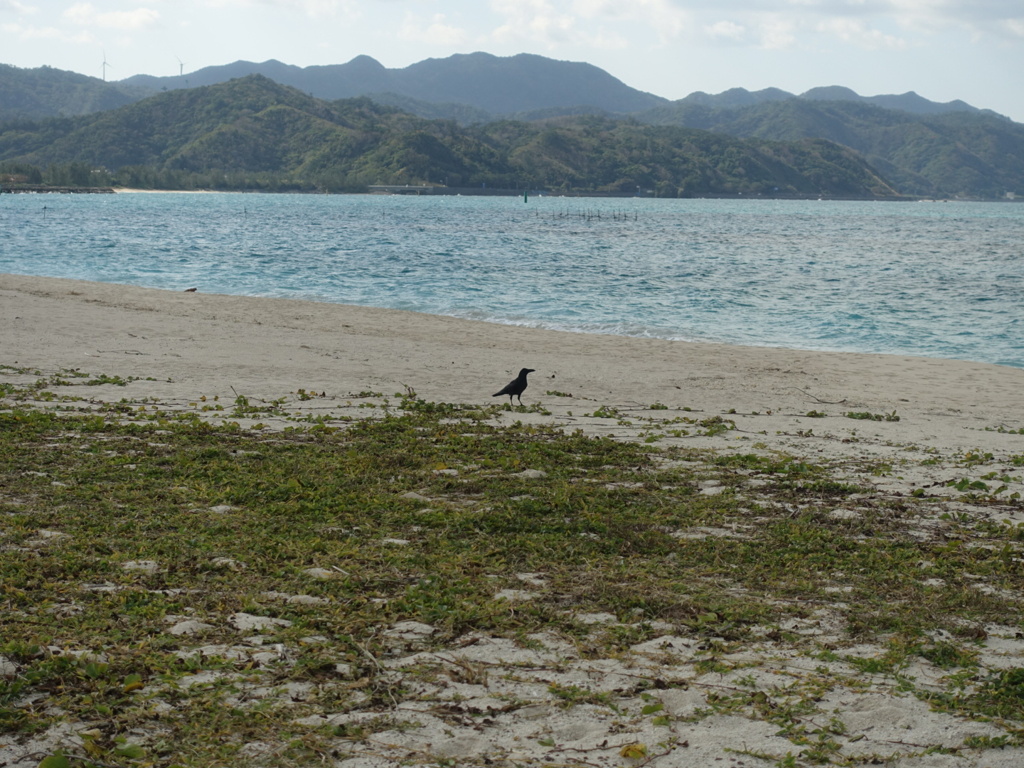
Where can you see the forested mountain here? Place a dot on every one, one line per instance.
(955, 153)
(741, 97)
(470, 88)
(255, 133)
(476, 87)
(48, 92)
(922, 148)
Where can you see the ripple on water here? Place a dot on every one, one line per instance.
(941, 281)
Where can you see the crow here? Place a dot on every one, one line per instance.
(515, 387)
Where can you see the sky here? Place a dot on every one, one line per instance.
(943, 49)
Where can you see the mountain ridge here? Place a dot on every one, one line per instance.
(254, 133)
(497, 85)
(948, 154)
(923, 148)
(486, 86)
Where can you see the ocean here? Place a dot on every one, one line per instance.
(934, 279)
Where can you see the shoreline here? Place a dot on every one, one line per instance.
(134, 191)
(523, 325)
(214, 344)
(474, 192)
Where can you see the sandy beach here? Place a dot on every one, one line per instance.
(196, 344)
(179, 348)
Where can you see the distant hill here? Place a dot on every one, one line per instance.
(907, 102)
(47, 92)
(922, 147)
(476, 87)
(496, 86)
(960, 152)
(253, 133)
(734, 97)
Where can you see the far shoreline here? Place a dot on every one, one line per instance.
(440, 191)
(136, 191)
(473, 192)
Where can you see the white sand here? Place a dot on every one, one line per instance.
(194, 345)
(199, 344)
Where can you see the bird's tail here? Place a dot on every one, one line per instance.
(497, 394)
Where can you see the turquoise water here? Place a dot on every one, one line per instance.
(937, 279)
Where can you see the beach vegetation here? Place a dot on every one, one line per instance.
(866, 416)
(716, 425)
(606, 412)
(183, 578)
(975, 458)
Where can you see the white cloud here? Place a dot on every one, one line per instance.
(664, 17)
(858, 33)
(15, 7)
(726, 30)
(51, 34)
(436, 31)
(653, 12)
(607, 41)
(315, 9)
(531, 21)
(86, 15)
(599, 24)
(323, 8)
(777, 34)
(765, 24)
(1015, 27)
(924, 15)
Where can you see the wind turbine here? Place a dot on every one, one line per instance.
(105, 65)
(181, 67)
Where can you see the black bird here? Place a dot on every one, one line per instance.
(515, 387)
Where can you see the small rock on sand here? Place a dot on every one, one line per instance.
(190, 627)
(321, 573)
(247, 622)
(143, 566)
